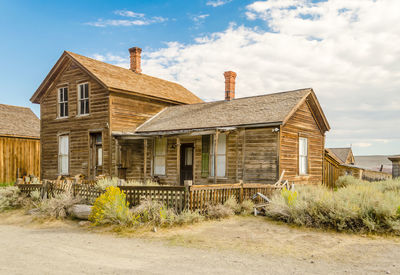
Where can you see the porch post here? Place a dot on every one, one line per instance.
(145, 159)
(178, 160)
(117, 156)
(215, 155)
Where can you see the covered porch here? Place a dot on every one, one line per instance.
(198, 156)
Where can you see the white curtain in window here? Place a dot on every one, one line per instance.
(159, 156)
(63, 155)
(303, 156)
(221, 156)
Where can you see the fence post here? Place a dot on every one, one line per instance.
(241, 192)
(185, 200)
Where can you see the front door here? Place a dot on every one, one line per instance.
(96, 155)
(187, 152)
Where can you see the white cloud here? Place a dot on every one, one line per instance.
(346, 50)
(140, 20)
(217, 3)
(200, 17)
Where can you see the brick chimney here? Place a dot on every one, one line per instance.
(229, 85)
(135, 59)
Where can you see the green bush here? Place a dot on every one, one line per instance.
(112, 208)
(357, 207)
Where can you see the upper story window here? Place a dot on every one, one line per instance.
(83, 99)
(303, 156)
(63, 102)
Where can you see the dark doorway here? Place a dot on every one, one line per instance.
(96, 155)
(187, 158)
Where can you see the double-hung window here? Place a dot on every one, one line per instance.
(220, 154)
(63, 102)
(83, 99)
(303, 156)
(160, 153)
(63, 155)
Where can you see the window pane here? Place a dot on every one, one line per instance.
(189, 156)
(66, 109)
(221, 166)
(205, 155)
(86, 90)
(221, 144)
(63, 143)
(87, 106)
(161, 144)
(61, 109)
(65, 94)
(64, 164)
(159, 165)
(100, 156)
(82, 107)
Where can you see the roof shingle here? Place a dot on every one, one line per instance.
(270, 108)
(115, 77)
(18, 121)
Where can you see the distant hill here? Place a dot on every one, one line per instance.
(374, 162)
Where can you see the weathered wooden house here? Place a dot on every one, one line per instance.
(97, 118)
(341, 162)
(19, 143)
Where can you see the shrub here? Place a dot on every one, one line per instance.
(344, 181)
(232, 203)
(152, 212)
(111, 208)
(357, 207)
(219, 211)
(247, 207)
(57, 206)
(189, 217)
(10, 198)
(104, 183)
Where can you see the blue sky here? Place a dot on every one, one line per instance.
(345, 50)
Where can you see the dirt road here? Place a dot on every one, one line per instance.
(234, 246)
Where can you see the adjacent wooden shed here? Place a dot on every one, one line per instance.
(19, 143)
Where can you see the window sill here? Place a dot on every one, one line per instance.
(60, 118)
(218, 178)
(81, 116)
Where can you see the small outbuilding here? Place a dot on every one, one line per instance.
(395, 166)
(19, 143)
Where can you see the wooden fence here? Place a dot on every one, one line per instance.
(179, 198)
(18, 157)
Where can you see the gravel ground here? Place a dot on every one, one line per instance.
(234, 246)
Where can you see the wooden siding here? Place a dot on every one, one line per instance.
(331, 171)
(18, 155)
(128, 111)
(78, 127)
(302, 124)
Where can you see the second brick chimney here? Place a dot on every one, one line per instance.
(135, 59)
(229, 85)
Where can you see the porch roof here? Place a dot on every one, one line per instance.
(266, 110)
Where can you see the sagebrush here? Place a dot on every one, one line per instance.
(55, 207)
(11, 198)
(358, 206)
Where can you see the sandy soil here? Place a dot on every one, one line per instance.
(237, 245)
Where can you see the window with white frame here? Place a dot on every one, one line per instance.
(160, 151)
(221, 156)
(63, 102)
(63, 155)
(303, 156)
(83, 99)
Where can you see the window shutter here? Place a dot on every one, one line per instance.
(205, 155)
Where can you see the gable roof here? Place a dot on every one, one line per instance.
(18, 121)
(270, 109)
(374, 162)
(120, 79)
(341, 153)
